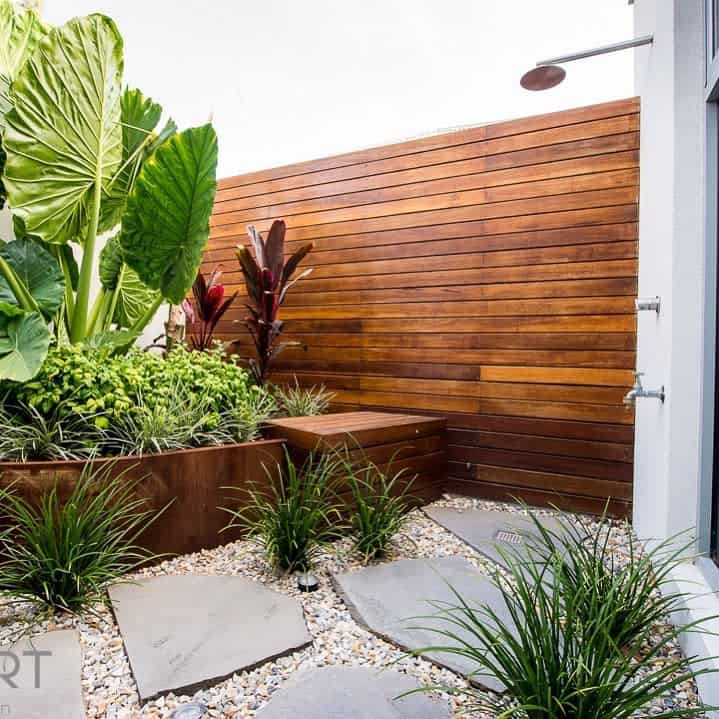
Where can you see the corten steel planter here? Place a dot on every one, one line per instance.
(194, 480)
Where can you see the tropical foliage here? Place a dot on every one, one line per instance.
(63, 553)
(84, 401)
(83, 157)
(268, 277)
(206, 308)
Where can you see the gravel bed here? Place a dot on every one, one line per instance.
(109, 688)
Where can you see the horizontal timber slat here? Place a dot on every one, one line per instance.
(487, 276)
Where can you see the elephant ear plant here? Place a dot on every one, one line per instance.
(268, 277)
(84, 157)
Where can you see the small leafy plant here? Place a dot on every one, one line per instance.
(268, 277)
(63, 554)
(244, 420)
(183, 421)
(296, 401)
(27, 435)
(554, 661)
(299, 514)
(206, 309)
(381, 503)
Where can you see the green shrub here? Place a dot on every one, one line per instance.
(80, 381)
(380, 509)
(64, 554)
(296, 401)
(85, 400)
(296, 518)
(554, 663)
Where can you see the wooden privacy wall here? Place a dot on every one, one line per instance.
(487, 275)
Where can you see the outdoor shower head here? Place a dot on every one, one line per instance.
(549, 73)
(543, 77)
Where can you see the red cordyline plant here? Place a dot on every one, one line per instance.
(207, 308)
(268, 276)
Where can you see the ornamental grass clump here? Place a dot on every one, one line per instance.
(556, 661)
(631, 595)
(64, 553)
(297, 515)
(26, 435)
(381, 503)
(296, 401)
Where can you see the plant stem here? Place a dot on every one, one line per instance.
(69, 297)
(18, 288)
(97, 313)
(144, 320)
(113, 300)
(78, 330)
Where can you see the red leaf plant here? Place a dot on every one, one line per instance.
(268, 277)
(207, 307)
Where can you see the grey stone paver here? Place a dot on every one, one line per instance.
(393, 600)
(183, 633)
(352, 693)
(487, 531)
(46, 685)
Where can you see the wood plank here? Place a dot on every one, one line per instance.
(486, 277)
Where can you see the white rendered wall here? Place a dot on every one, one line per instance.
(670, 81)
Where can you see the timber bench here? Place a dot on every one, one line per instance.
(393, 442)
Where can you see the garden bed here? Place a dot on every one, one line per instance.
(109, 689)
(192, 483)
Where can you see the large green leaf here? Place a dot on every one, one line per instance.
(63, 134)
(133, 296)
(38, 270)
(24, 341)
(20, 32)
(110, 264)
(167, 219)
(140, 116)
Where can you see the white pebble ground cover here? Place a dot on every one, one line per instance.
(108, 686)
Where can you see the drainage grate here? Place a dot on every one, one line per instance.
(508, 537)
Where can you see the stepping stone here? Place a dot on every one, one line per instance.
(184, 633)
(488, 531)
(393, 599)
(45, 685)
(352, 693)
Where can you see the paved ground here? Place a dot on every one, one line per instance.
(45, 685)
(184, 633)
(489, 532)
(352, 693)
(400, 601)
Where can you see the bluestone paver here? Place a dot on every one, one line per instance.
(41, 677)
(352, 693)
(401, 601)
(487, 531)
(183, 633)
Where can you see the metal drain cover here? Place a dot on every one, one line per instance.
(507, 537)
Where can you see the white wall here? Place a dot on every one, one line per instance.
(290, 80)
(670, 80)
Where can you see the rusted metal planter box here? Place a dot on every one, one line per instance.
(194, 480)
(393, 442)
